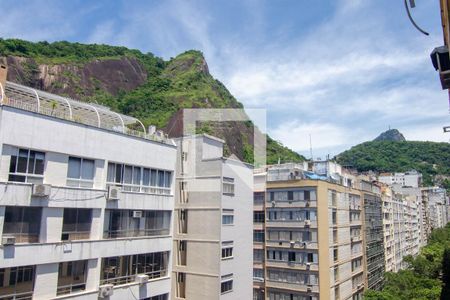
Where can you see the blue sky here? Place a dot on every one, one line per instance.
(342, 70)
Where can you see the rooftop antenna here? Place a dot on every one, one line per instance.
(310, 148)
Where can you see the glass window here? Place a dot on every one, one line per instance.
(17, 280)
(226, 284)
(123, 269)
(23, 223)
(80, 172)
(76, 224)
(228, 186)
(227, 249)
(71, 277)
(227, 216)
(27, 166)
(138, 179)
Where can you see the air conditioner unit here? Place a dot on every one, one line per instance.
(113, 192)
(308, 203)
(292, 243)
(142, 279)
(273, 203)
(8, 240)
(309, 289)
(41, 190)
(307, 222)
(308, 266)
(105, 291)
(137, 213)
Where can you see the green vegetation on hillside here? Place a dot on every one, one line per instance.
(422, 278)
(182, 82)
(429, 158)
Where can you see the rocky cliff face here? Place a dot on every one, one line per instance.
(137, 84)
(391, 135)
(77, 80)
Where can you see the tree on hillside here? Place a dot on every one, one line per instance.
(445, 293)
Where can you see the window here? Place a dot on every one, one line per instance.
(76, 224)
(228, 186)
(258, 236)
(23, 223)
(27, 166)
(138, 179)
(258, 255)
(17, 280)
(334, 216)
(123, 269)
(291, 256)
(226, 284)
(227, 217)
(71, 277)
(258, 217)
(258, 275)
(335, 254)
(159, 297)
(80, 172)
(227, 249)
(124, 223)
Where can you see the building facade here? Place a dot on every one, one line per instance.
(374, 235)
(81, 218)
(313, 242)
(259, 219)
(213, 246)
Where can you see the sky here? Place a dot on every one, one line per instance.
(340, 71)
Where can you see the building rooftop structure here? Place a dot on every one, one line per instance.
(26, 98)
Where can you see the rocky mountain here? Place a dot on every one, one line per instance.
(138, 84)
(390, 135)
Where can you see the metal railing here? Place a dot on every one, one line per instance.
(70, 288)
(18, 296)
(57, 113)
(112, 234)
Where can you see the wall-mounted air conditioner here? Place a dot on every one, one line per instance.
(113, 192)
(307, 222)
(105, 291)
(142, 279)
(41, 190)
(137, 213)
(8, 240)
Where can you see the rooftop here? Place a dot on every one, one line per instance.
(26, 98)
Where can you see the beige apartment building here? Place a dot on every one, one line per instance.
(313, 237)
(212, 253)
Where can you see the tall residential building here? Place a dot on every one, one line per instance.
(411, 178)
(388, 227)
(400, 229)
(374, 239)
(86, 202)
(313, 237)
(437, 206)
(259, 219)
(213, 246)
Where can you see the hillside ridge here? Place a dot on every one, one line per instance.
(138, 84)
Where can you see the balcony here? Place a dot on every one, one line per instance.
(298, 287)
(290, 223)
(292, 265)
(293, 203)
(295, 245)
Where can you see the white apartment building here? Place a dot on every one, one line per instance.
(410, 179)
(86, 202)
(437, 206)
(213, 245)
(388, 228)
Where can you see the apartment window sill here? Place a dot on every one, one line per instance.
(227, 258)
